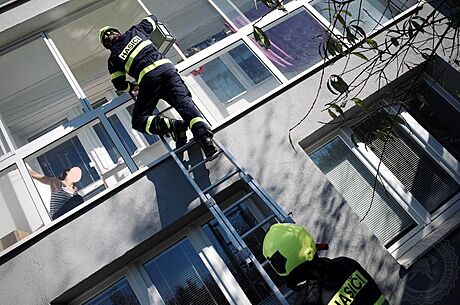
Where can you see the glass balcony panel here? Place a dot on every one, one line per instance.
(242, 12)
(90, 148)
(89, 64)
(294, 42)
(143, 148)
(371, 13)
(249, 220)
(34, 95)
(19, 216)
(185, 18)
(230, 81)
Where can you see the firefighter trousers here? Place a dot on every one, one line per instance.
(170, 87)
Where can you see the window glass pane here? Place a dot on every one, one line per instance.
(119, 293)
(181, 278)
(142, 147)
(242, 12)
(438, 117)
(231, 81)
(412, 166)
(35, 95)
(19, 216)
(89, 149)
(243, 219)
(385, 217)
(294, 42)
(4, 146)
(89, 64)
(371, 13)
(185, 20)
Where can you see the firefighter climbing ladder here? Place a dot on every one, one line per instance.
(219, 215)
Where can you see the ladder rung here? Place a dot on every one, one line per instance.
(186, 146)
(221, 180)
(240, 200)
(260, 224)
(204, 161)
(164, 110)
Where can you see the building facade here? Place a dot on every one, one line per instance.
(142, 235)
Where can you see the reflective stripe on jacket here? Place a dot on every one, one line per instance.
(133, 53)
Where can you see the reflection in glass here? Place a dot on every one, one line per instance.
(386, 218)
(231, 81)
(437, 116)
(371, 13)
(35, 94)
(294, 43)
(142, 147)
(19, 216)
(242, 12)
(119, 293)
(181, 278)
(78, 43)
(422, 176)
(90, 149)
(248, 277)
(195, 23)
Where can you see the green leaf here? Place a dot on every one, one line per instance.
(381, 135)
(345, 12)
(334, 46)
(341, 20)
(372, 43)
(394, 41)
(338, 83)
(350, 36)
(359, 102)
(359, 30)
(261, 37)
(332, 114)
(425, 55)
(422, 100)
(336, 108)
(360, 55)
(269, 3)
(356, 138)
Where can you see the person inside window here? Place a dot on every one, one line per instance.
(64, 195)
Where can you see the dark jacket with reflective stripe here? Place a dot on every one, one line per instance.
(339, 281)
(132, 52)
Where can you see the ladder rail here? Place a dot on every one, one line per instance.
(219, 215)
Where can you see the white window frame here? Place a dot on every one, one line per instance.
(406, 249)
(133, 278)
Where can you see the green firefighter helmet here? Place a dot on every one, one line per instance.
(104, 30)
(288, 245)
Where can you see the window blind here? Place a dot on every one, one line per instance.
(385, 217)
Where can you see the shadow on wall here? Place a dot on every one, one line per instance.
(174, 195)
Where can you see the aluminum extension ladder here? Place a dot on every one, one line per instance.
(216, 211)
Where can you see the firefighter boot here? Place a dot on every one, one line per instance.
(178, 129)
(207, 145)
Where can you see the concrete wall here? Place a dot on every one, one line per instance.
(129, 220)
